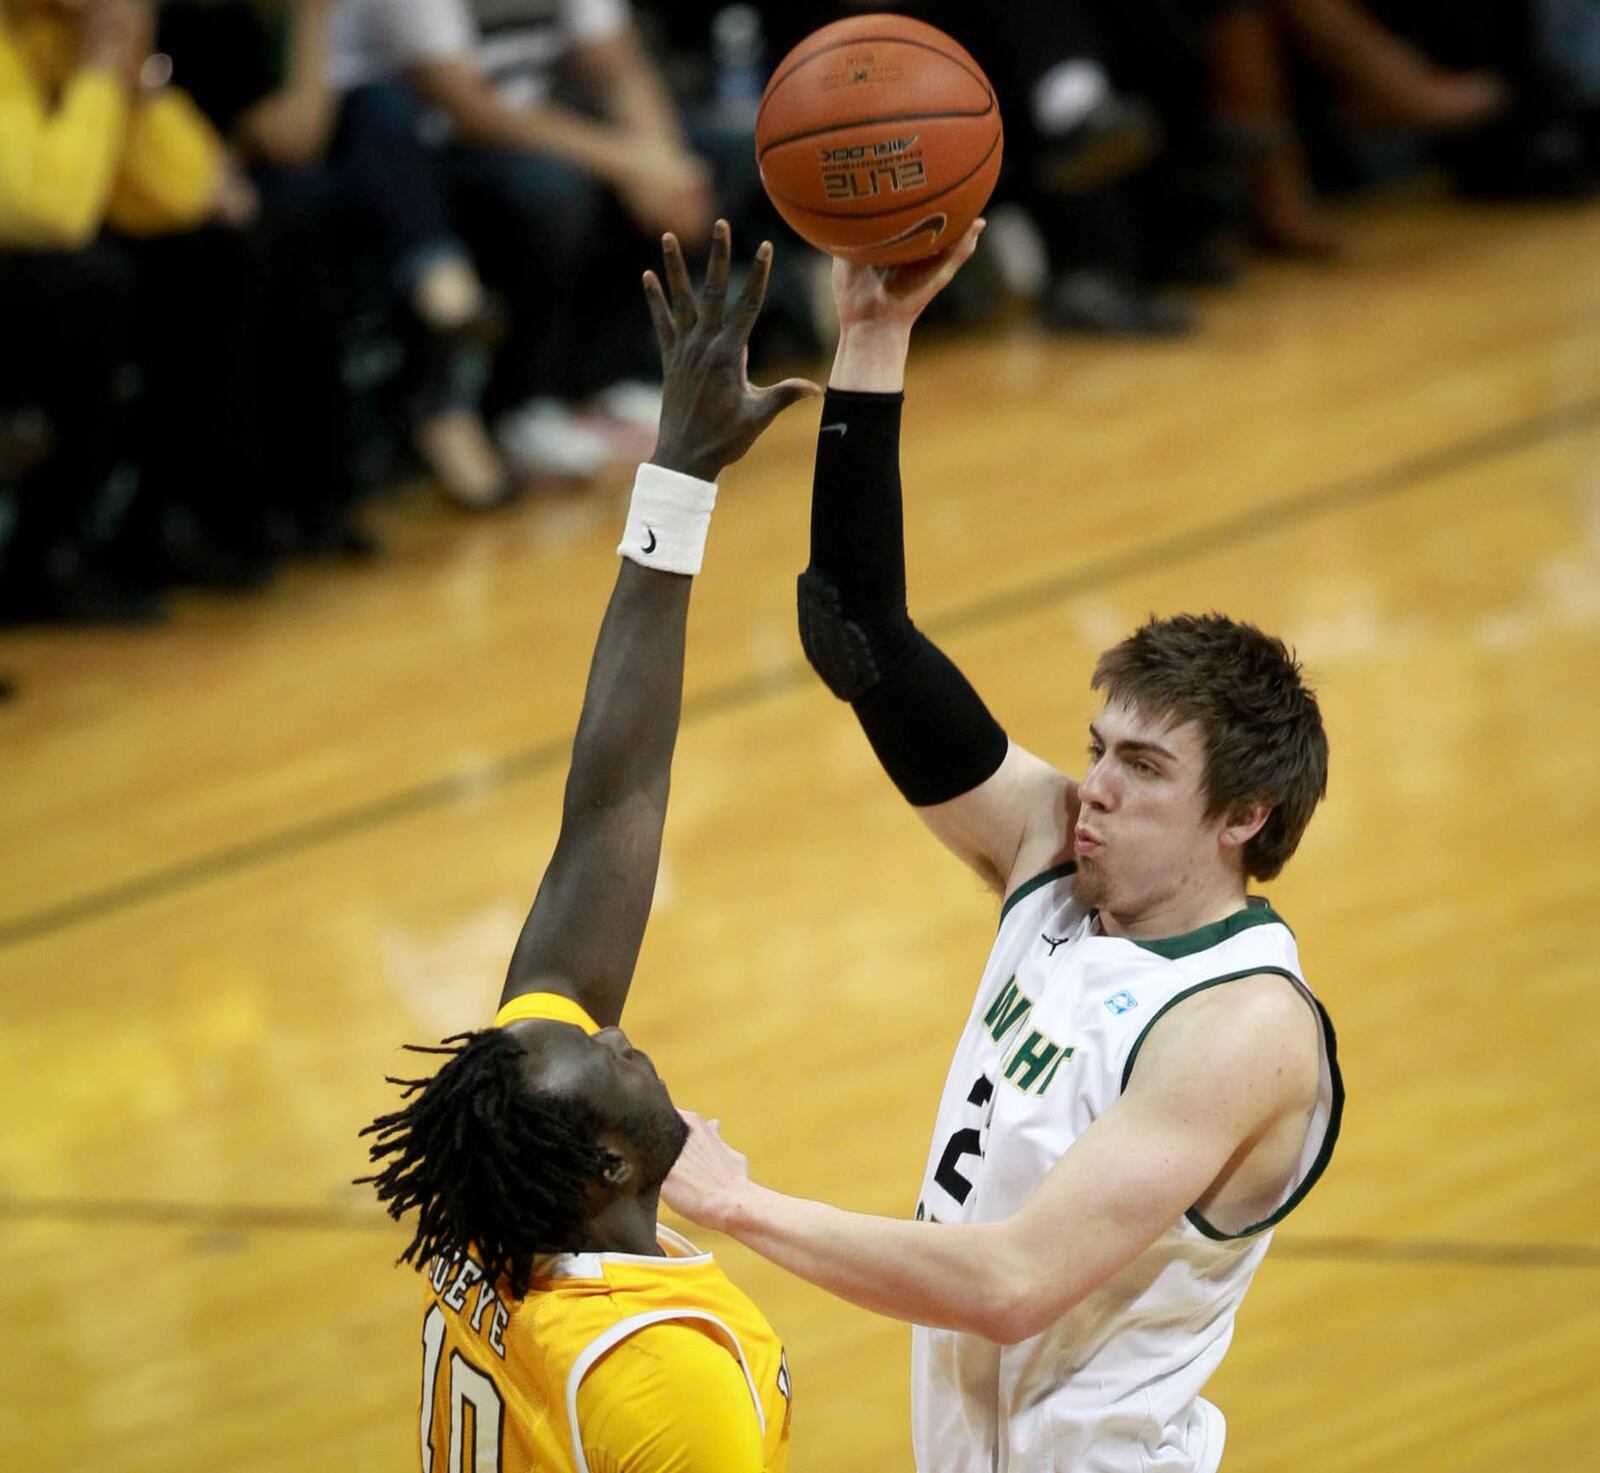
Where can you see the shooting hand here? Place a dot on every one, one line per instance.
(895, 296)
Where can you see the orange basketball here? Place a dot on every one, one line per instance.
(879, 139)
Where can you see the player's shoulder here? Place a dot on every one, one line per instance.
(669, 1381)
(680, 1350)
(1252, 1006)
(1259, 1033)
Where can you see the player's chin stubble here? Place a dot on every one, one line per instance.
(1089, 884)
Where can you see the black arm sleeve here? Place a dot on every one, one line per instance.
(927, 725)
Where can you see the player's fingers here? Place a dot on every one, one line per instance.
(772, 401)
(961, 253)
(716, 287)
(680, 290)
(753, 293)
(660, 313)
(943, 267)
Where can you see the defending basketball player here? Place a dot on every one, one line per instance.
(1145, 1085)
(563, 1328)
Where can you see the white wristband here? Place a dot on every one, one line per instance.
(667, 520)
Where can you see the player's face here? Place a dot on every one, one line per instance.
(618, 1082)
(1143, 839)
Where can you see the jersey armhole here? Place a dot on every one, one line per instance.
(1330, 1134)
(1027, 887)
(610, 1339)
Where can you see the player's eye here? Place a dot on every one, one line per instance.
(1096, 751)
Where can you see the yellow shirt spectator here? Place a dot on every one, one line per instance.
(76, 153)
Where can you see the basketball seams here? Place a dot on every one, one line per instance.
(971, 70)
(916, 117)
(904, 207)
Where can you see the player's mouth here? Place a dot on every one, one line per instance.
(1084, 843)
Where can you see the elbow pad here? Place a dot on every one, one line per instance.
(849, 656)
(928, 726)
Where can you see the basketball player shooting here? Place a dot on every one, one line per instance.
(1145, 1086)
(563, 1328)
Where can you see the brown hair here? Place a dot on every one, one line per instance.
(1258, 718)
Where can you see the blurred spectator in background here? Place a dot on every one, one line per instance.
(1534, 148)
(123, 262)
(88, 138)
(1104, 104)
(1384, 81)
(1569, 45)
(343, 175)
(185, 218)
(261, 74)
(559, 154)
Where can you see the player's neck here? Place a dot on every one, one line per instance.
(627, 1225)
(1176, 915)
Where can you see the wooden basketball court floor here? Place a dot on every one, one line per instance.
(248, 854)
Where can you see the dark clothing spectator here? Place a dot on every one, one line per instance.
(240, 70)
(559, 147)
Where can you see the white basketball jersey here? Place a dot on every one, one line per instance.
(1114, 1385)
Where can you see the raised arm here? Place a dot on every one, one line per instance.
(583, 935)
(997, 807)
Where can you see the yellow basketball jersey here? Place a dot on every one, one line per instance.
(502, 1378)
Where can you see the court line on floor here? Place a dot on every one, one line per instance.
(247, 1217)
(1231, 531)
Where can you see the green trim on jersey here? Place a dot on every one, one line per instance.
(1256, 913)
(1335, 1112)
(1027, 887)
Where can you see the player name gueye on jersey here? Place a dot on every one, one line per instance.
(467, 1284)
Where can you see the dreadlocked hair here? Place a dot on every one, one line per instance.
(490, 1166)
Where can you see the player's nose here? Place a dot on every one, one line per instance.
(1096, 789)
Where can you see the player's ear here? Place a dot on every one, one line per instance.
(1244, 823)
(617, 1172)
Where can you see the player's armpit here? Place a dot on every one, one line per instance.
(1014, 825)
(669, 1399)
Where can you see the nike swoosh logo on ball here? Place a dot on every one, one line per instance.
(933, 224)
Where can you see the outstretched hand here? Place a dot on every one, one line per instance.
(895, 296)
(708, 1176)
(711, 413)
